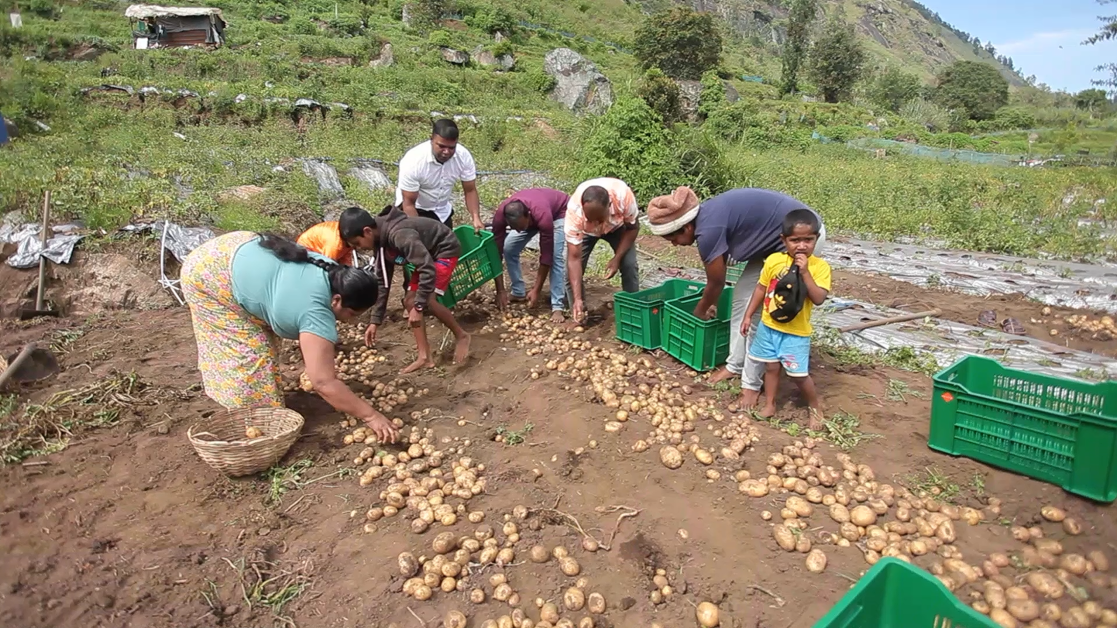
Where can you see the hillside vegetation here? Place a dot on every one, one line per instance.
(225, 118)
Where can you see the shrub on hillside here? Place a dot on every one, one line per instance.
(702, 166)
(730, 120)
(539, 80)
(426, 15)
(345, 24)
(971, 88)
(926, 114)
(630, 143)
(893, 89)
(302, 26)
(712, 95)
(492, 20)
(1015, 118)
(679, 41)
(836, 61)
(662, 95)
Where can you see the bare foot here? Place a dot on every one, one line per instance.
(720, 375)
(461, 349)
(557, 317)
(767, 412)
(816, 420)
(421, 363)
(748, 398)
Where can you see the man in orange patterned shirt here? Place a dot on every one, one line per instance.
(601, 209)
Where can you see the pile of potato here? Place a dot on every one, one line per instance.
(455, 560)
(1101, 328)
(662, 590)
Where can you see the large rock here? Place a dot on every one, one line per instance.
(386, 58)
(578, 84)
(457, 57)
(487, 59)
(690, 94)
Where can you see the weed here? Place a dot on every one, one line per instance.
(933, 482)
(898, 390)
(282, 479)
(1066, 273)
(933, 280)
(1094, 375)
(271, 585)
(844, 430)
(62, 340)
(514, 437)
(909, 359)
(727, 386)
(977, 483)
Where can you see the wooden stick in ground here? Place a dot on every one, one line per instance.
(42, 250)
(888, 321)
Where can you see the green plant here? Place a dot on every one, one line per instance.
(514, 437)
(302, 26)
(630, 143)
(730, 121)
(680, 41)
(282, 479)
(492, 20)
(844, 430)
(973, 89)
(539, 81)
(425, 15)
(894, 88)
(926, 114)
(934, 483)
(796, 45)
(836, 61)
(662, 95)
(712, 96)
(440, 38)
(346, 25)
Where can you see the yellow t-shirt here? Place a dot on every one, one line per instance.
(775, 267)
(324, 239)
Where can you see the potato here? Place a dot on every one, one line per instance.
(754, 488)
(1035, 532)
(574, 599)
(1099, 559)
(707, 615)
(549, 613)
(1050, 612)
(784, 538)
(1108, 617)
(998, 559)
(803, 544)
(1002, 618)
(839, 514)
(1092, 608)
(945, 532)
(504, 621)
(703, 456)
(1045, 584)
(862, 516)
(878, 506)
(1075, 617)
(408, 566)
(1051, 546)
(1020, 533)
(569, 566)
(670, 457)
(849, 532)
(1074, 563)
(1023, 610)
(1051, 513)
(445, 542)
(423, 593)
(596, 603)
(816, 561)
(815, 495)
(502, 592)
(962, 567)
(799, 506)
(981, 606)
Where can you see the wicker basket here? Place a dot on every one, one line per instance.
(220, 440)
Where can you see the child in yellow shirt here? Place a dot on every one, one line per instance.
(788, 343)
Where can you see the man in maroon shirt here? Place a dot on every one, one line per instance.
(539, 211)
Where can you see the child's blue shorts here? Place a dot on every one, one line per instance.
(790, 351)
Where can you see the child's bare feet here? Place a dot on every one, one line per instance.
(816, 420)
(461, 349)
(767, 412)
(748, 399)
(421, 363)
(721, 375)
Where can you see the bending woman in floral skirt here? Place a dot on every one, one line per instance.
(246, 291)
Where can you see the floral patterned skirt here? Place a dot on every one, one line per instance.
(238, 354)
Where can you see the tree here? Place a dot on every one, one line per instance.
(798, 41)
(1108, 31)
(679, 41)
(972, 88)
(424, 15)
(630, 143)
(836, 61)
(662, 95)
(894, 88)
(1091, 99)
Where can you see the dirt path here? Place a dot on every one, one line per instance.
(127, 527)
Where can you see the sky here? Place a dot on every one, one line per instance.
(1043, 38)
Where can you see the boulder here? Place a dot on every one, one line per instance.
(731, 93)
(578, 84)
(386, 58)
(487, 59)
(690, 93)
(457, 57)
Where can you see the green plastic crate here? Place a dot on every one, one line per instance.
(894, 594)
(1053, 429)
(733, 273)
(701, 345)
(638, 316)
(479, 263)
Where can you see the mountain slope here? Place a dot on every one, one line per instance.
(896, 32)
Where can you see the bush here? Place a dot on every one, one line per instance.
(893, 89)
(44, 9)
(492, 20)
(630, 143)
(681, 42)
(712, 95)
(539, 81)
(662, 95)
(730, 121)
(303, 26)
(836, 61)
(347, 25)
(440, 38)
(972, 87)
(1015, 118)
(926, 114)
(426, 14)
(701, 164)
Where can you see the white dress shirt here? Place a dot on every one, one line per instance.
(420, 172)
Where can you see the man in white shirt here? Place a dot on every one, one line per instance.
(427, 174)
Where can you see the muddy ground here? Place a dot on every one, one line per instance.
(126, 526)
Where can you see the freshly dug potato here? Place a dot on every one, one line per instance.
(816, 561)
(839, 513)
(863, 516)
(784, 538)
(1071, 526)
(1074, 563)
(549, 613)
(569, 566)
(539, 554)
(1051, 546)
(1016, 593)
(799, 506)
(1052, 513)
(849, 532)
(945, 532)
(408, 565)
(1023, 610)
(981, 606)
(1101, 562)
(1020, 533)
(1092, 608)
(574, 599)
(670, 457)
(707, 615)
(445, 542)
(454, 619)
(999, 559)
(1045, 584)
(1075, 617)
(803, 544)
(995, 595)
(1002, 618)
(1108, 618)
(596, 603)
(1050, 612)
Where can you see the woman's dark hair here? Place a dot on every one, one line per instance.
(358, 288)
(352, 222)
(798, 217)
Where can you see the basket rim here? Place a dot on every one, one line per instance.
(298, 423)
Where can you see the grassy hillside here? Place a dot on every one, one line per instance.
(110, 157)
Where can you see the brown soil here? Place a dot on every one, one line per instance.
(128, 527)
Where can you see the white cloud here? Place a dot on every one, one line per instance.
(1044, 41)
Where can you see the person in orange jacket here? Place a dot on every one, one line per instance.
(325, 239)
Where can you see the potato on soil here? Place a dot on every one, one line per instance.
(670, 457)
(569, 566)
(707, 615)
(863, 516)
(1099, 559)
(454, 619)
(816, 561)
(1052, 513)
(784, 538)
(1074, 563)
(596, 603)
(1071, 526)
(1002, 618)
(445, 542)
(1075, 617)
(840, 514)
(574, 599)
(1023, 610)
(1045, 584)
(549, 613)
(408, 566)
(799, 506)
